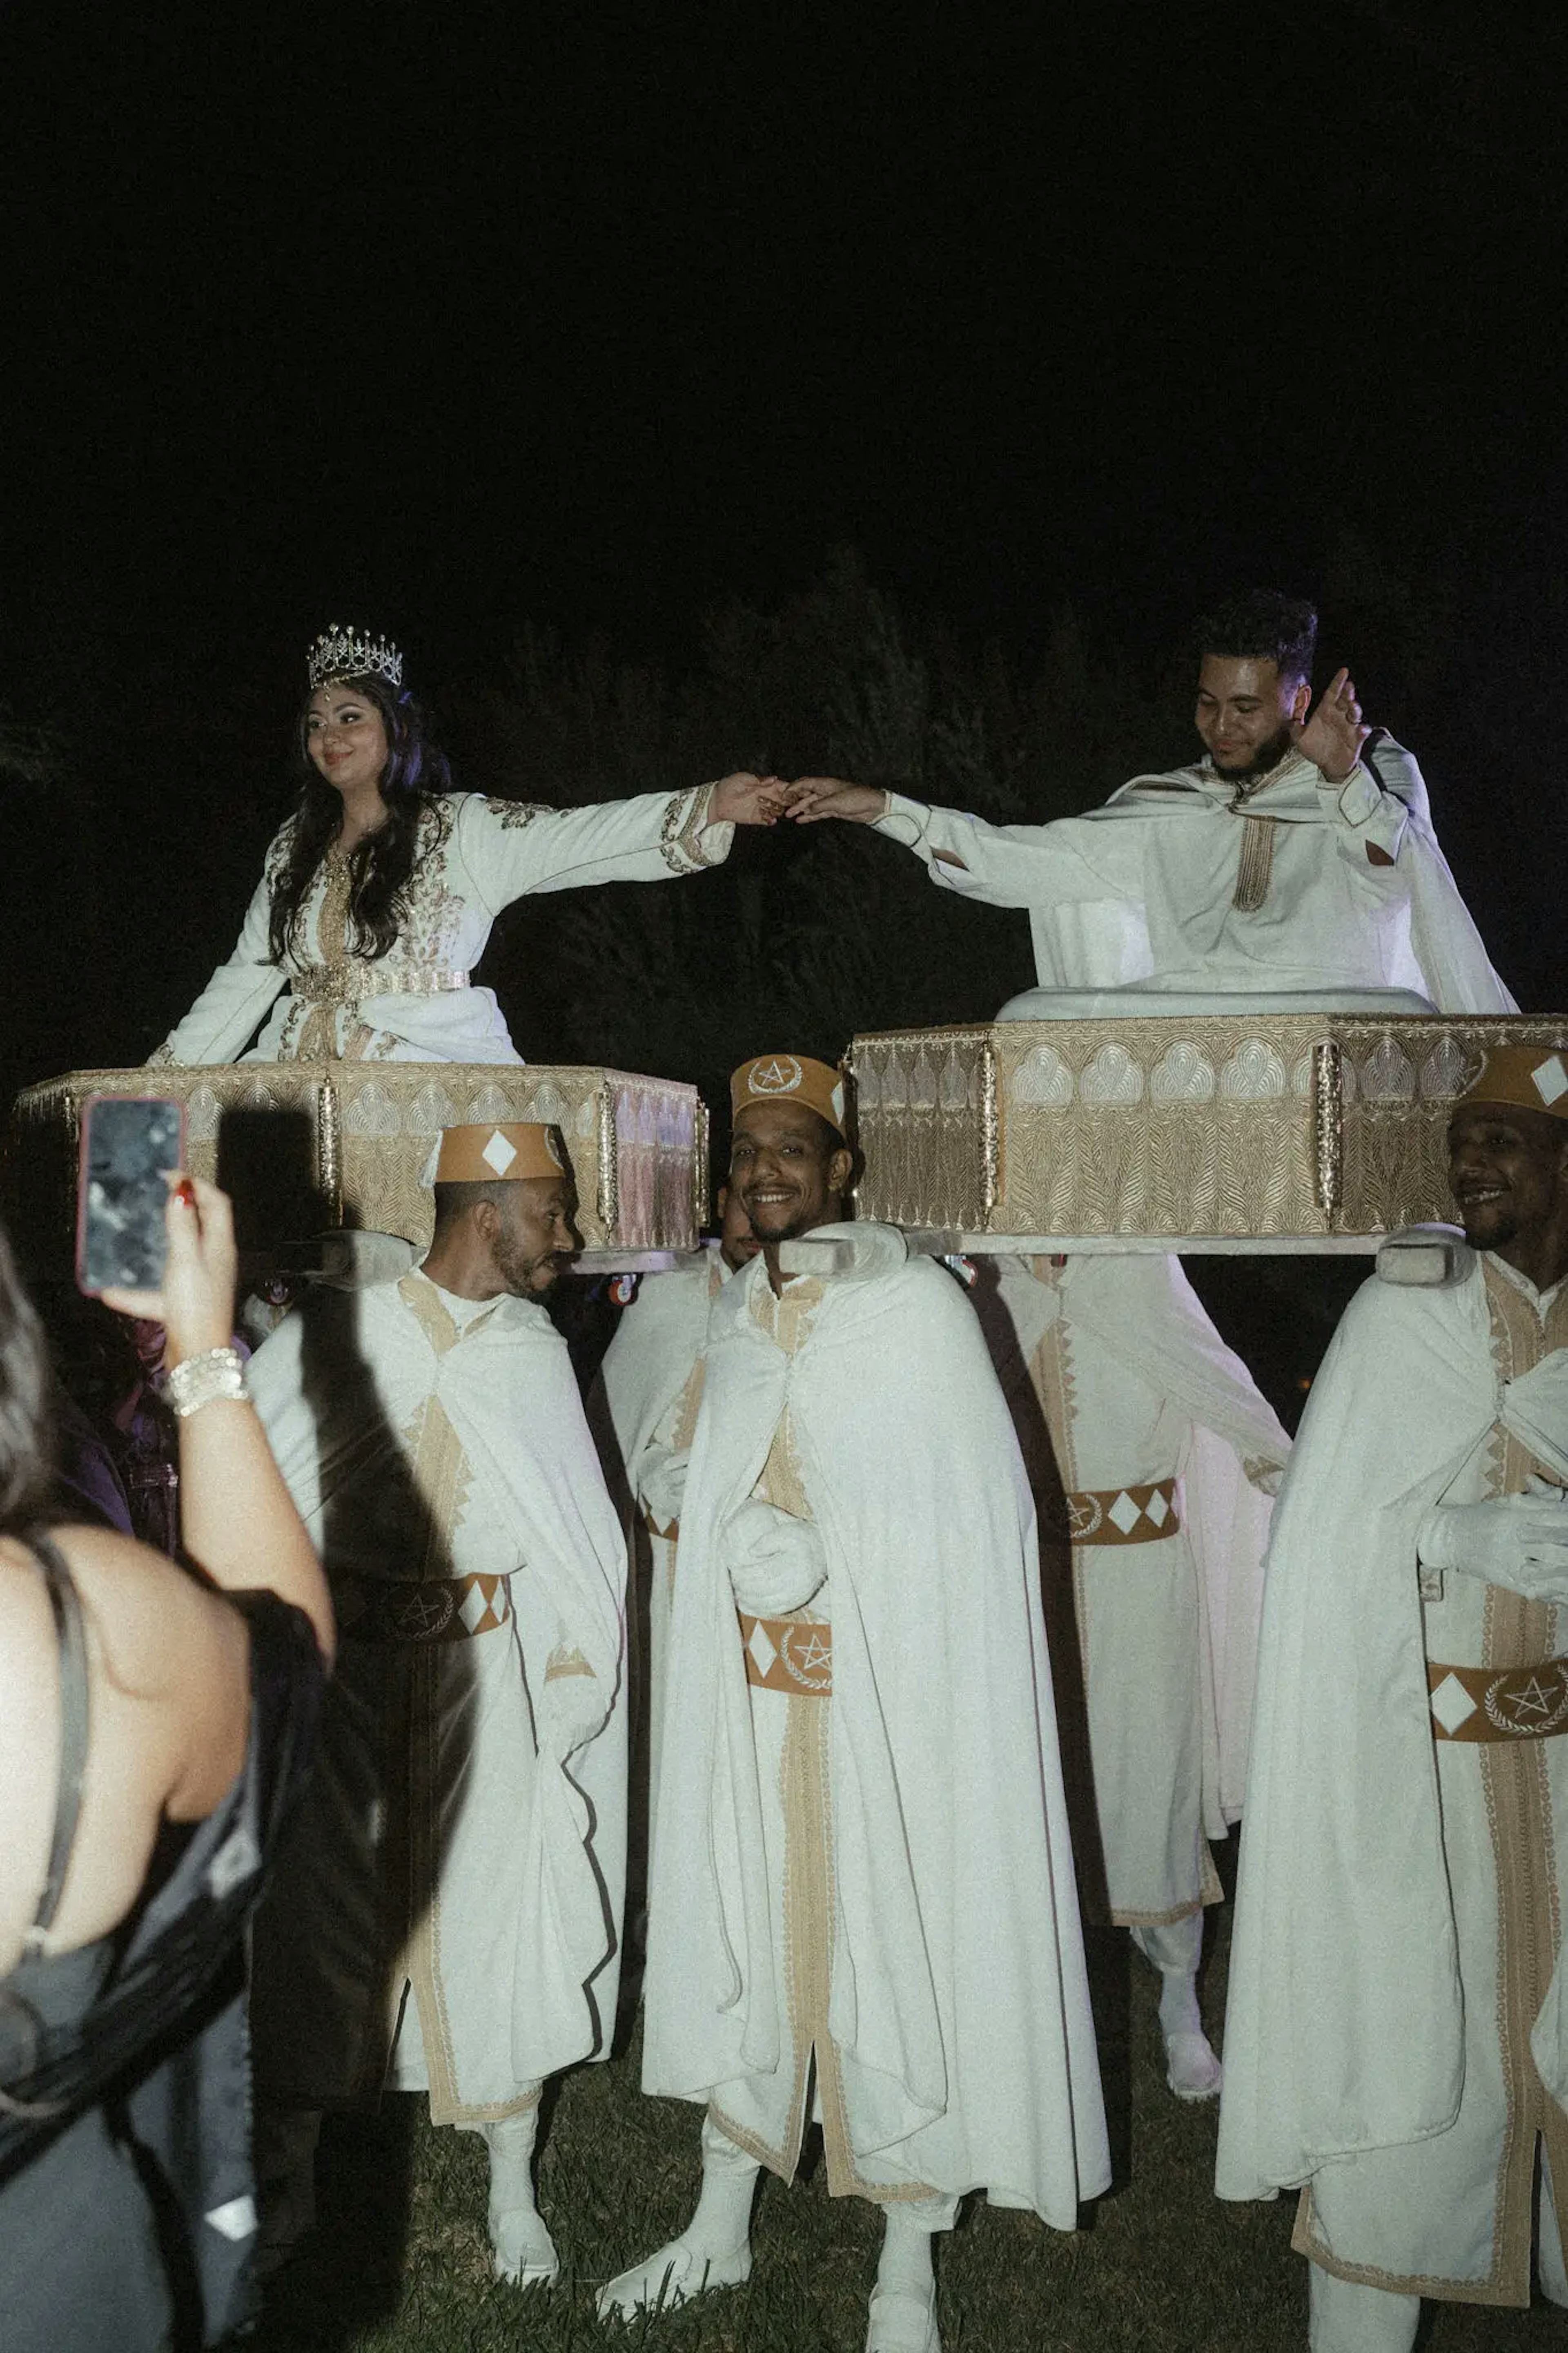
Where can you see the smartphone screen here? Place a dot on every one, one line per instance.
(127, 1144)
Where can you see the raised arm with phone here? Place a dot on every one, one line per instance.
(154, 1724)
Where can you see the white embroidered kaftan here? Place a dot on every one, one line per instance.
(1153, 1435)
(919, 1932)
(416, 1004)
(1397, 2029)
(463, 1835)
(1183, 881)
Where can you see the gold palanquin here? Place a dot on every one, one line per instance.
(1215, 1132)
(303, 1147)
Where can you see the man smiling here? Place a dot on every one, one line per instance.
(1298, 856)
(1396, 2041)
(862, 1900)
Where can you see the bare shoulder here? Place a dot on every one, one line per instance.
(157, 1630)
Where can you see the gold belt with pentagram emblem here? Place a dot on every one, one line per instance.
(1122, 1515)
(787, 1654)
(436, 1609)
(1497, 1702)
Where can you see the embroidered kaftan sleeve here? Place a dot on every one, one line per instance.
(512, 848)
(230, 1008)
(1054, 865)
(1368, 825)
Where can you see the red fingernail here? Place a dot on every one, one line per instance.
(185, 1192)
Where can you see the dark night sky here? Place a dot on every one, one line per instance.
(442, 316)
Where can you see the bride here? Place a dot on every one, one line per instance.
(379, 893)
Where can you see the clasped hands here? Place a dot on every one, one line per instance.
(746, 799)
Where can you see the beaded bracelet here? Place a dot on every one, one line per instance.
(201, 1380)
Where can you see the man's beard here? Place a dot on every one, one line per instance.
(802, 1223)
(517, 1269)
(1503, 1229)
(1267, 757)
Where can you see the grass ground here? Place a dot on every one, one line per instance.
(401, 2263)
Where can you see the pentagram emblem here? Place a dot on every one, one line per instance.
(423, 1618)
(807, 1655)
(1084, 1515)
(782, 1076)
(1528, 1701)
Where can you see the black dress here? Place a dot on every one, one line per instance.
(127, 2202)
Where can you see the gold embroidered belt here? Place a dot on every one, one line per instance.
(785, 1654)
(1497, 1702)
(436, 1609)
(350, 983)
(1122, 1515)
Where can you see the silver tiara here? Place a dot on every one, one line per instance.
(343, 653)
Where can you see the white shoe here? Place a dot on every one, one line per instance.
(674, 2275)
(523, 2249)
(1192, 2071)
(898, 2322)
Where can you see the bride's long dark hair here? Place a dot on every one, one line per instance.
(416, 770)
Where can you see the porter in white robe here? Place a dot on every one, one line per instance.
(462, 1841)
(1152, 1472)
(862, 1853)
(1396, 2038)
(416, 1004)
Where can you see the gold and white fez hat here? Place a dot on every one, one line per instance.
(508, 1148)
(1533, 1078)
(790, 1078)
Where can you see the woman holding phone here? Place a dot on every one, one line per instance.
(380, 891)
(154, 1724)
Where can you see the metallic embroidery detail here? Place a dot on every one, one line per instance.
(990, 1132)
(514, 815)
(609, 1202)
(701, 1153)
(329, 1150)
(356, 977)
(680, 834)
(1255, 868)
(417, 963)
(1328, 1125)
